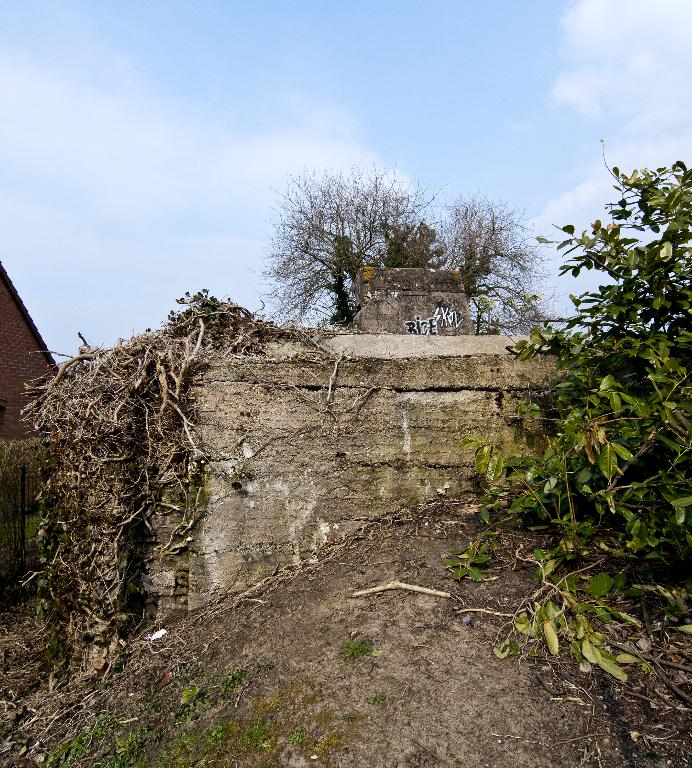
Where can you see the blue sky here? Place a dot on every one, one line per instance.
(142, 144)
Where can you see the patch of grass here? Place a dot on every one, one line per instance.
(352, 718)
(256, 735)
(291, 718)
(356, 649)
(328, 743)
(205, 747)
(297, 737)
(378, 700)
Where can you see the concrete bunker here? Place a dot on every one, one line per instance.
(313, 436)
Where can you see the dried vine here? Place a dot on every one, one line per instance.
(119, 425)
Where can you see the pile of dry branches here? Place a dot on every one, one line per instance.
(120, 431)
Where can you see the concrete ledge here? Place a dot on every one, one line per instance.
(389, 346)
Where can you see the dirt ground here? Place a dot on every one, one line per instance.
(300, 673)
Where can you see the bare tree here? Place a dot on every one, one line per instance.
(489, 243)
(328, 226)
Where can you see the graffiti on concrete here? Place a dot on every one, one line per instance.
(421, 327)
(448, 317)
(442, 317)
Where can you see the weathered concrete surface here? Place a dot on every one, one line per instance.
(308, 439)
(390, 346)
(412, 301)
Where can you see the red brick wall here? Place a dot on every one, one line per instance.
(21, 360)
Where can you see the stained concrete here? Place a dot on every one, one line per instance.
(314, 436)
(412, 301)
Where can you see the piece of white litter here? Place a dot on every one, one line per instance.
(313, 757)
(158, 634)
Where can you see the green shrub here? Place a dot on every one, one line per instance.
(620, 459)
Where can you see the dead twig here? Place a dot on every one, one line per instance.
(484, 610)
(658, 666)
(400, 585)
(332, 380)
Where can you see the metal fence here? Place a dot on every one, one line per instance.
(18, 523)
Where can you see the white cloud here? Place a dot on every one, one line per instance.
(626, 75)
(627, 59)
(112, 193)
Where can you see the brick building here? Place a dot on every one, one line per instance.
(23, 357)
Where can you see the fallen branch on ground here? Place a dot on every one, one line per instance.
(485, 610)
(400, 585)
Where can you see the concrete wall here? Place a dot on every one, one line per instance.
(412, 301)
(310, 439)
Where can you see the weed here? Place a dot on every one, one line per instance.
(378, 700)
(129, 751)
(256, 735)
(79, 746)
(329, 742)
(192, 704)
(190, 695)
(297, 737)
(216, 736)
(232, 681)
(355, 649)
(202, 747)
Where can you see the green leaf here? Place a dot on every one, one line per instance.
(666, 252)
(483, 455)
(622, 452)
(685, 628)
(469, 444)
(460, 573)
(496, 466)
(551, 610)
(189, 695)
(626, 617)
(590, 652)
(680, 506)
(522, 624)
(599, 585)
(474, 574)
(612, 668)
(550, 635)
(581, 625)
(607, 461)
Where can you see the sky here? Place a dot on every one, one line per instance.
(143, 145)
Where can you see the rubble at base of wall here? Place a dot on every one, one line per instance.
(311, 438)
